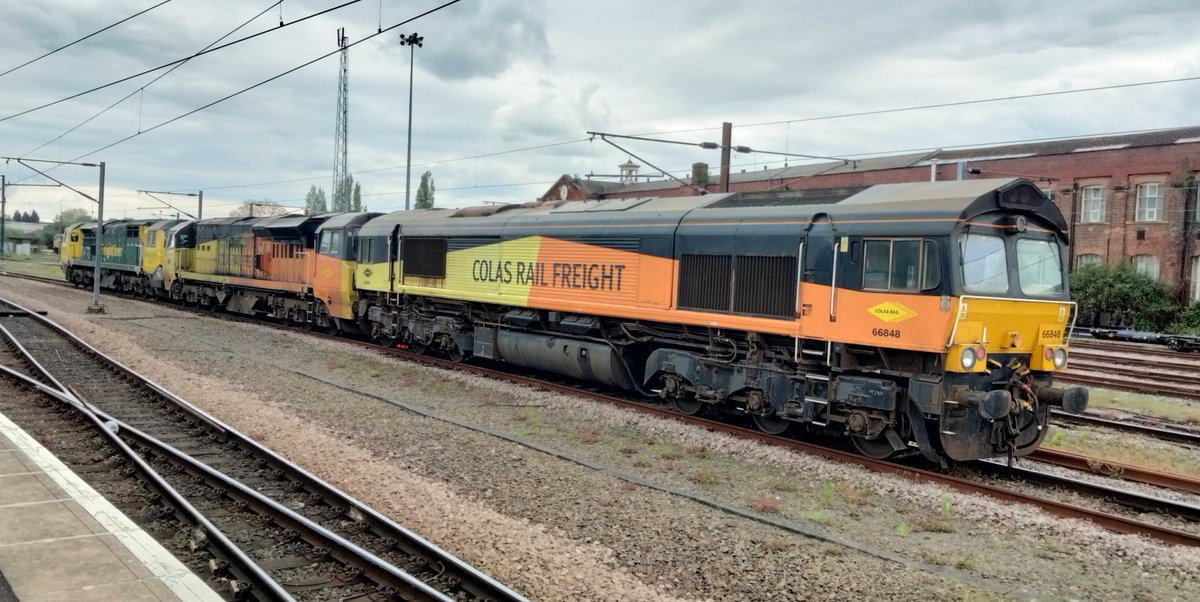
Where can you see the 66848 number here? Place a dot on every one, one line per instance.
(886, 332)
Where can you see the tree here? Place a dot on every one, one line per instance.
(1121, 297)
(263, 208)
(356, 199)
(18, 217)
(61, 221)
(314, 201)
(343, 196)
(33, 217)
(425, 192)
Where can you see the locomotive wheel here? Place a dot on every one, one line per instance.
(417, 347)
(687, 405)
(771, 425)
(876, 449)
(456, 354)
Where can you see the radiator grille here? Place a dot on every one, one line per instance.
(765, 286)
(704, 282)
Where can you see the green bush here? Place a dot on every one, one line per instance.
(1121, 297)
(1188, 321)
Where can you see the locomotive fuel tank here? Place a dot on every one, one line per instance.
(594, 362)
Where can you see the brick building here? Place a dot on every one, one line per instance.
(1129, 197)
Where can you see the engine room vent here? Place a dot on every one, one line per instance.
(765, 286)
(424, 257)
(746, 284)
(704, 282)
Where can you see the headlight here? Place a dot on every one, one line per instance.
(968, 358)
(1060, 357)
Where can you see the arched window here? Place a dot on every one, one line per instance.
(1146, 265)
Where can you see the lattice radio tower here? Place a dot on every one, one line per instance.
(340, 194)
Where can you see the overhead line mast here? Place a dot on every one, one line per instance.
(340, 194)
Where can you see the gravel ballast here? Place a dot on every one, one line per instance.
(570, 527)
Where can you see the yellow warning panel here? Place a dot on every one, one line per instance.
(891, 312)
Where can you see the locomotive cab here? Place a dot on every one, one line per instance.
(1010, 330)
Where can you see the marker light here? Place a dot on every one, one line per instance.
(1060, 357)
(981, 354)
(968, 358)
(1049, 354)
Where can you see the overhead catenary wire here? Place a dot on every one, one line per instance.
(142, 89)
(268, 80)
(940, 105)
(98, 31)
(186, 58)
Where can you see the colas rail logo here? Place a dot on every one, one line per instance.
(891, 312)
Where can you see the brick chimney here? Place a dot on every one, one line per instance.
(700, 174)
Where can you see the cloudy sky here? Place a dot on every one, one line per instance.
(506, 89)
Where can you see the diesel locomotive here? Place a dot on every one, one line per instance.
(918, 318)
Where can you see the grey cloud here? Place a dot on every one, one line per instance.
(482, 39)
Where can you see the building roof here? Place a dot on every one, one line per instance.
(1064, 146)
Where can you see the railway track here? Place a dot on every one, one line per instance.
(314, 540)
(1114, 522)
(1155, 430)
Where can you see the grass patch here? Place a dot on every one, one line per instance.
(670, 464)
(783, 485)
(640, 463)
(827, 493)
(38, 264)
(852, 492)
(903, 529)
(1174, 410)
(936, 524)
(628, 486)
(966, 564)
(628, 450)
(777, 545)
(1126, 449)
(589, 437)
(698, 451)
(816, 516)
(704, 477)
(442, 387)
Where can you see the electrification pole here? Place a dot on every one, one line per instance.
(412, 40)
(3, 208)
(95, 307)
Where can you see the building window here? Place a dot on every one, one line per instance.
(1093, 204)
(1049, 192)
(1196, 279)
(1149, 203)
(1088, 259)
(1146, 265)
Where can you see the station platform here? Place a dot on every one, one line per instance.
(61, 541)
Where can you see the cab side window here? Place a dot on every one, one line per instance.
(331, 243)
(901, 265)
